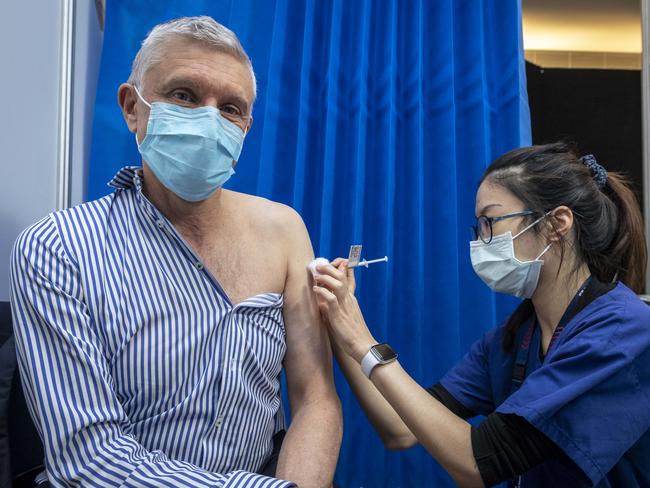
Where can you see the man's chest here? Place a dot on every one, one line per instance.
(245, 266)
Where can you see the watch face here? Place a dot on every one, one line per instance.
(383, 352)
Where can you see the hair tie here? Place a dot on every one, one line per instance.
(599, 173)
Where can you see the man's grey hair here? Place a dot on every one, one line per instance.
(203, 29)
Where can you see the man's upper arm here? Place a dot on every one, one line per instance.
(308, 360)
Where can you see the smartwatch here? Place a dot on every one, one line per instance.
(378, 354)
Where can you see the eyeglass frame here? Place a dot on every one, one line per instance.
(491, 220)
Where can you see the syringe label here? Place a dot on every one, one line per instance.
(355, 255)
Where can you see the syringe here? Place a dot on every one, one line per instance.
(372, 261)
(323, 261)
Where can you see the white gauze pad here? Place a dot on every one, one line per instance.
(317, 262)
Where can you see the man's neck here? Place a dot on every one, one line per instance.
(552, 298)
(194, 220)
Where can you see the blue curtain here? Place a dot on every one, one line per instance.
(375, 120)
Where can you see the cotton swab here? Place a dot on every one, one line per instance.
(317, 262)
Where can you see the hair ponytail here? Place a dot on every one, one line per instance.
(628, 245)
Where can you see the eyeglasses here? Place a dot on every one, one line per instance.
(483, 228)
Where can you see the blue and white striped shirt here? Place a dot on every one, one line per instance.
(137, 368)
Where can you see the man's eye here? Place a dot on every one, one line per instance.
(182, 96)
(230, 109)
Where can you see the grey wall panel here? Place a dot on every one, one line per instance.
(29, 55)
(31, 60)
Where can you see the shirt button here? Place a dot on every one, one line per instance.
(219, 421)
(234, 364)
(160, 223)
(199, 266)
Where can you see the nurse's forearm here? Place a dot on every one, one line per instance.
(446, 436)
(393, 431)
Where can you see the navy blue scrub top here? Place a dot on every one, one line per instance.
(590, 394)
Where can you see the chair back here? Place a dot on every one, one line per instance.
(21, 450)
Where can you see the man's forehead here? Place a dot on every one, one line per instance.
(198, 79)
(199, 65)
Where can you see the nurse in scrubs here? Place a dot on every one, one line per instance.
(564, 384)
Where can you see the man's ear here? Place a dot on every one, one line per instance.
(562, 222)
(127, 100)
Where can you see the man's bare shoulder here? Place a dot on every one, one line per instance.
(267, 215)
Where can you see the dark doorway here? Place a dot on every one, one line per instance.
(599, 109)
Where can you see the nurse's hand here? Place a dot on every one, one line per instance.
(334, 289)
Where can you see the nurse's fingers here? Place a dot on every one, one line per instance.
(329, 270)
(338, 288)
(342, 265)
(349, 274)
(328, 303)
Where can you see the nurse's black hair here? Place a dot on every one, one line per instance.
(608, 226)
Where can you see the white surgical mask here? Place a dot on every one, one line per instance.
(496, 264)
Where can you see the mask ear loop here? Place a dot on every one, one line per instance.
(544, 251)
(147, 104)
(531, 225)
(141, 98)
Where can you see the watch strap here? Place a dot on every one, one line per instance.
(372, 360)
(369, 362)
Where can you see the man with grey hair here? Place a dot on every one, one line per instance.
(152, 325)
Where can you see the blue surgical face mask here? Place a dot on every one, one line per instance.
(190, 150)
(499, 268)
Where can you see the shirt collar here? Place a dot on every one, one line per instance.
(130, 177)
(127, 177)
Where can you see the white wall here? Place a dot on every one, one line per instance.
(30, 56)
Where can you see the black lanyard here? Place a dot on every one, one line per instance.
(525, 337)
